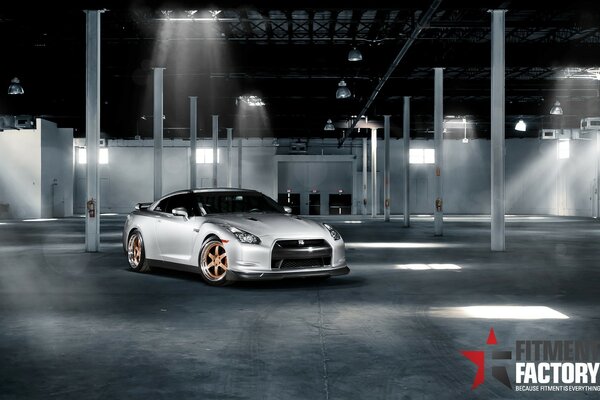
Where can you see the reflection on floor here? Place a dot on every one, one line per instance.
(77, 325)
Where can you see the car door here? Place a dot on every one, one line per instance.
(176, 234)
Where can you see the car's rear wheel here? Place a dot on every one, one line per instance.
(214, 262)
(136, 254)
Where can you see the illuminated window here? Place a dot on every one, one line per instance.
(563, 149)
(421, 156)
(82, 155)
(103, 156)
(205, 156)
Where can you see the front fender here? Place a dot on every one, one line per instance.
(207, 230)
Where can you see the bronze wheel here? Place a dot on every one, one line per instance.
(136, 254)
(213, 262)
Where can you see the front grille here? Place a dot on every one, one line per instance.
(294, 254)
(286, 244)
(304, 263)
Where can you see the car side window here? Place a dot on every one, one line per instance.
(163, 205)
(181, 200)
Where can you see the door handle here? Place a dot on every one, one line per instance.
(196, 229)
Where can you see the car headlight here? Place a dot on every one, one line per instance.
(334, 234)
(244, 236)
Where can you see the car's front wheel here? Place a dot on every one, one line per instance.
(136, 254)
(214, 263)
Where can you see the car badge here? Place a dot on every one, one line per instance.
(301, 242)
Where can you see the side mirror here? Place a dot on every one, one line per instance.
(181, 212)
(287, 209)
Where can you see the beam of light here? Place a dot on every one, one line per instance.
(497, 312)
(109, 214)
(397, 245)
(352, 222)
(426, 267)
(3, 223)
(39, 219)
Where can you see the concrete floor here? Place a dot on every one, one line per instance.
(82, 326)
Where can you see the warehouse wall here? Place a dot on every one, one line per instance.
(56, 186)
(20, 173)
(536, 181)
(36, 172)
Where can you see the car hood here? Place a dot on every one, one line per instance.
(275, 225)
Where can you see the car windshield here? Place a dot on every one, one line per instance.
(228, 202)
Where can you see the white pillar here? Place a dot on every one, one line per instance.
(373, 173)
(158, 131)
(438, 127)
(386, 168)
(193, 136)
(229, 158)
(365, 176)
(405, 160)
(596, 212)
(240, 163)
(92, 128)
(215, 146)
(497, 132)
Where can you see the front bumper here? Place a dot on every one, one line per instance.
(275, 275)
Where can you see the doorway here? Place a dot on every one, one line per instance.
(314, 204)
(340, 204)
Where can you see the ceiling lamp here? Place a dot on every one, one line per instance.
(354, 55)
(521, 126)
(15, 87)
(329, 126)
(342, 92)
(252, 101)
(556, 109)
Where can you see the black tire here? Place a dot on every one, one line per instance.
(213, 262)
(136, 252)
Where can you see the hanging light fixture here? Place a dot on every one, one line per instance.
(329, 126)
(521, 126)
(354, 55)
(342, 92)
(556, 109)
(15, 87)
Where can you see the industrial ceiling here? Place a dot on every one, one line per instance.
(293, 55)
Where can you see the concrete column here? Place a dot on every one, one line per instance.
(497, 132)
(438, 127)
(229, 158)
(365, 177)
(405, 160)
(386, 168)
(240, 163)
(158, 131)
(596, 212)
(373, 173)
(215, 146)
(193, 136)
(92, 128)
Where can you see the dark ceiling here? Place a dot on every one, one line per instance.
(294, 55)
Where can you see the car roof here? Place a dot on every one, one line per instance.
(205, 190)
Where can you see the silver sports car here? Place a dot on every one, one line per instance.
(230, 234)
